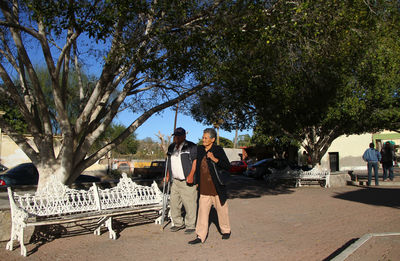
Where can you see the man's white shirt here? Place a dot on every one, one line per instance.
(176, 163)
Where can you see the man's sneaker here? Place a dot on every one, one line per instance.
(177, 228)
(190, 230)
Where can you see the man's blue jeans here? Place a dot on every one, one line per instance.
(373, 164)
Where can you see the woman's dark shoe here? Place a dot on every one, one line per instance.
(226, 235)
(196, 241)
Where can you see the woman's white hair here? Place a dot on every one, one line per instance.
(211, 132)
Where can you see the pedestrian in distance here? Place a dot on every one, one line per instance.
(305, 161)
(372, 157)
(181, 166)
(388, 157)
(211, 176)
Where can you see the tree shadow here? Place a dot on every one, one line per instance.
(47, 233)
(378, 196)
(244, 187)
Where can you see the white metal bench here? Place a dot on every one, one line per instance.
(315, 174)
(57, 204)
(299, 176)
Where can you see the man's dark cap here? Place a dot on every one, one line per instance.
(179, 132)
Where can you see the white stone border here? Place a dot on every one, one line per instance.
(353, 247)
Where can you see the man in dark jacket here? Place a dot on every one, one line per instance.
(181, 166)
(388, 156)
(211, 163)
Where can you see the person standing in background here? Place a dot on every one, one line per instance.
(388, 156)
(372, 157)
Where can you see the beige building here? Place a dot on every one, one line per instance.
(345, 153)
(10, 154)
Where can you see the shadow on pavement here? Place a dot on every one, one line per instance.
(388, 197)
(45, 234)
(340, 250)
(244, 187)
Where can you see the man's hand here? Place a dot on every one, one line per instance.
(166, 179)
(189, 179)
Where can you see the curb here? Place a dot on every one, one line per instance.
(381, 183)
(353, 247)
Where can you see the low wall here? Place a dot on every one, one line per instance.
(339, 179)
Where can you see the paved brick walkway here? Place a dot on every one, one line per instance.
(307, 223)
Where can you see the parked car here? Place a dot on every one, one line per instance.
(123, 166)
(3, 168)
(281, 164)
(27, 174)
(267, 166)
(155, 170)
(238, 167)
(258, 169)
(86, 178)
(22, 174)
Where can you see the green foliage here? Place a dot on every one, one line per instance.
(73, 101)
(311, 70)
(225, 143)
(147, 55)
(13, 116)
(149, 149)
(114, 174)
(245, 140)
(129, 146)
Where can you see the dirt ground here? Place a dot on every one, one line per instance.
(307, 223)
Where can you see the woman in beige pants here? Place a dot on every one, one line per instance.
(211, 160)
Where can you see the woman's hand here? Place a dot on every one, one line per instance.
(211, 156)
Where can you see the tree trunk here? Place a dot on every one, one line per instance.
(318, 142)
(235, 141)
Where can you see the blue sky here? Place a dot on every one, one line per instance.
(164, 123)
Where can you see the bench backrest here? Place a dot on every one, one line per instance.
(58, 199)
(315, 172)
(128, 194)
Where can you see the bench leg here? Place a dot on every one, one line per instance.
(17, 233)
(100, 223)
(108, 223)
(327, 182)
(10, 244)
(299, 183)
(97, 231)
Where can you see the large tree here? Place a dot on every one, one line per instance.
(334, 78)
(314, 70)
(142, 53)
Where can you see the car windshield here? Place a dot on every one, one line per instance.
(258, 163)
